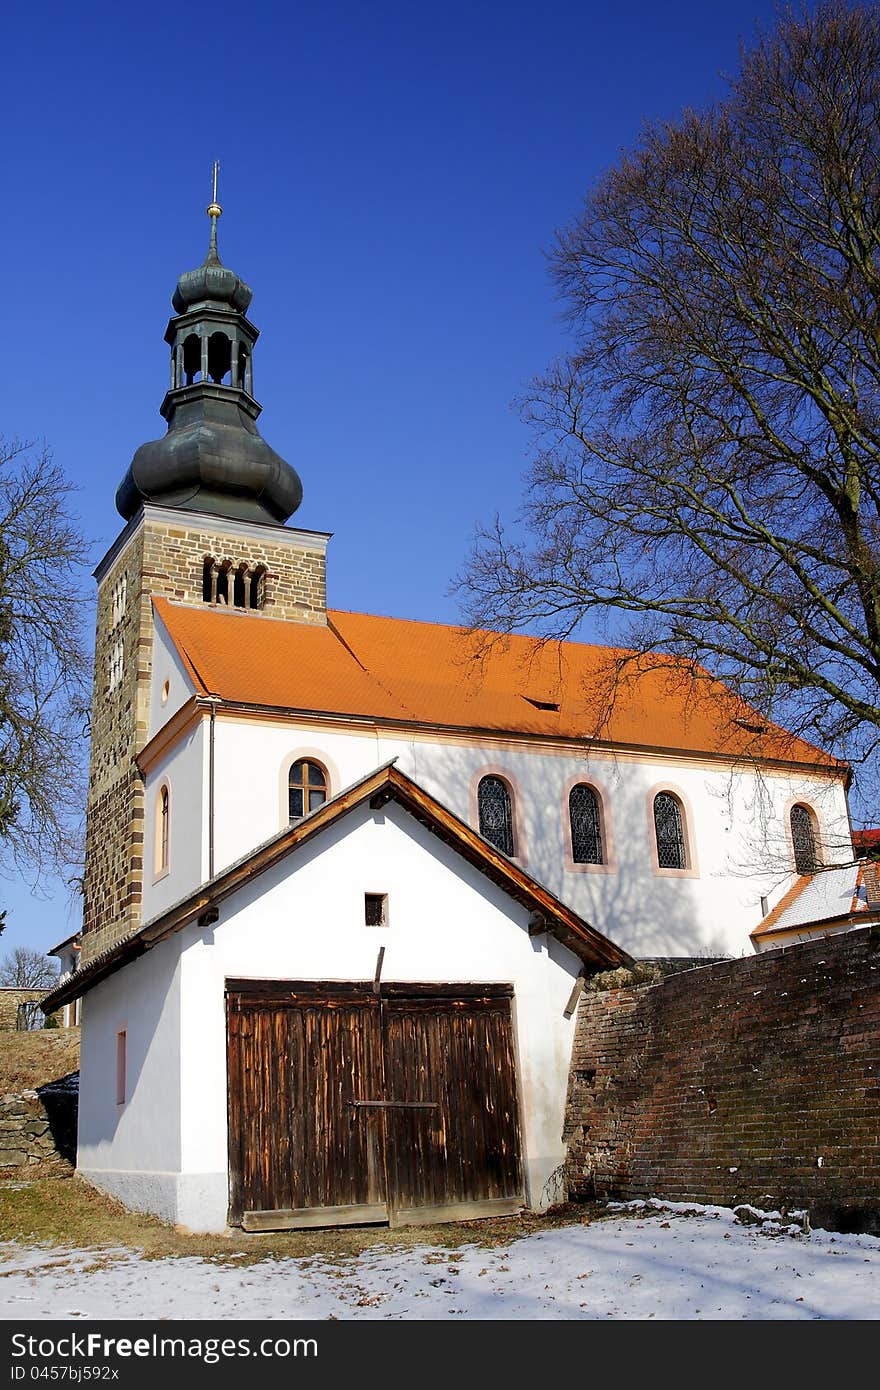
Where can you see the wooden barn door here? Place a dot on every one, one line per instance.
(347, 1107)
(460, 1158)
(298, 1147)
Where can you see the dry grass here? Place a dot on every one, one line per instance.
(66, 1211)
(29, 1060)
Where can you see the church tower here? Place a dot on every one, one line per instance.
(205, 507)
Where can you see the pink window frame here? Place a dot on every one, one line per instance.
(572, 866)
(519, 834)
(692, 867)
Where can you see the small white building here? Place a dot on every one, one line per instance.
(67, 953)
(368, 1018)
(824, 902)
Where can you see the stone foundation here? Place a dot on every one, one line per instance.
(39, 1127)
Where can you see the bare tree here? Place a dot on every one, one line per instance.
(44, 674)
(27, 969)
(708, 469)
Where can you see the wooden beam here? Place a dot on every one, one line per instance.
(305, 1218)
(575, 995)
(308, 989)
(458, 1211)
(377, 978)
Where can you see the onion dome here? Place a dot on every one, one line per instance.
(212, 282)
(212, 458)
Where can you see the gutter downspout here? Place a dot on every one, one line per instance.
(213, 701)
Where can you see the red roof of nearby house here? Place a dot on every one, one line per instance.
(866, 839)
(836, 894)
(400, 671)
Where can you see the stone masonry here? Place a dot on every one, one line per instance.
(162, 553)
(38, 1127)
(10, 999)
(756, 1080)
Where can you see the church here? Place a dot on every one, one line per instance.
(346, 875)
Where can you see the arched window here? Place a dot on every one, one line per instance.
(306, 788)
(241, 586)
(586, 825)
(669, 832)
(803, 838)
(163, 828)
(496, 813)
(219, 356)
(192, 358)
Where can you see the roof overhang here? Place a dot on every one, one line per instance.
(864, 917)
(385, 785)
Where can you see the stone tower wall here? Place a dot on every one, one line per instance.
(163, 556)
(114, 809)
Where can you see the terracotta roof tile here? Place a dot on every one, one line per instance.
(866, 839)
(429, 673)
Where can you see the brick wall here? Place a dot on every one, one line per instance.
(756, 1080)
(162, 555)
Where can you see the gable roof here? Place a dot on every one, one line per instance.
(829, 895)
(386, 784)
(430, 674)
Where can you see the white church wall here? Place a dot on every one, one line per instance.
(737, 822)
(129, 1138)
(183, 771)
(305, 920)
(170, 684)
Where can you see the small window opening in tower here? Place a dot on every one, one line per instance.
(219, 357)
(239, 587)
(221, 594)
(208, 579)
(192, 359)
(257, 587)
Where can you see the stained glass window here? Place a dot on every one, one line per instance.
(307, 788)
(804, 840)
(586, 827)
(669, 830)
(496, 814)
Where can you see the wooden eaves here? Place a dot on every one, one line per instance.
(385, 784)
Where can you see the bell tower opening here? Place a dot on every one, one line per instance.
(192, 359)
(219, 357)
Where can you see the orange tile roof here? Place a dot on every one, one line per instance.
(397, 670)
(866, 839)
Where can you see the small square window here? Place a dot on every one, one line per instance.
(376, 909)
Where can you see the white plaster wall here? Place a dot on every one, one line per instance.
(738, 822)
(167, 666)
(184, 769)
(133, 1150)
(305, 920)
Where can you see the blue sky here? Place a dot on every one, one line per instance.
(391, 177)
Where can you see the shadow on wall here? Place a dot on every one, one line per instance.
(646, 913)
(60, 1100)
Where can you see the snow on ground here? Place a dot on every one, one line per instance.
(658, 1263)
